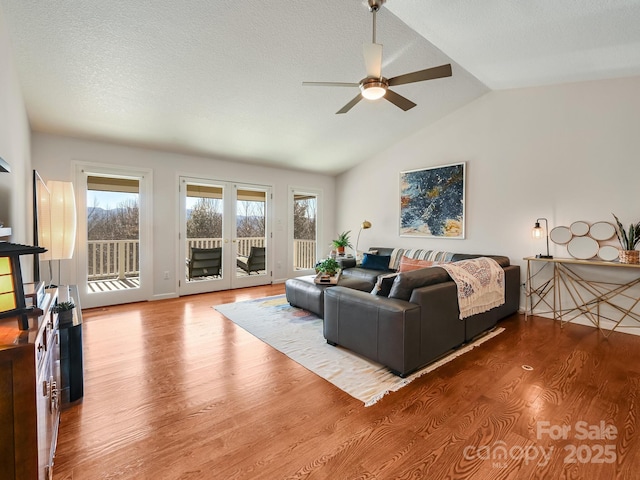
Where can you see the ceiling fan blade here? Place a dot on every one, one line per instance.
(422, 75)
(399, 101)
(329, 84)
(373, 59)
(350, 105)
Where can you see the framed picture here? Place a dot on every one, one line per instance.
(432, 202)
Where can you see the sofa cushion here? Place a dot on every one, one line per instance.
(384, 284)
(375, 262)
(406, 282)
(365, 274)
(408, 264)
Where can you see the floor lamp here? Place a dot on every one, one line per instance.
(363, 226)
(63, 223)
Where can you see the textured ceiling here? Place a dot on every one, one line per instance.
(223, 78)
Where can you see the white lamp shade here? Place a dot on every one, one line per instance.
(537, 233)
(63, 221)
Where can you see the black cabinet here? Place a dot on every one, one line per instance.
(71, 357)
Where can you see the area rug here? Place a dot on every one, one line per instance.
(298, 334)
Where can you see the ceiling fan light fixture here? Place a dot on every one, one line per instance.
(373, 89)
(374, 86)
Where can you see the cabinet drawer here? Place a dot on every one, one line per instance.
(48, 408)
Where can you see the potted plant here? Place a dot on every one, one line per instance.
(64, 311)
(328, 266)
(342, 241)
(628, 240)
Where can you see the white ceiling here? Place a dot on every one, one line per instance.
(223, 78)
(523, 43)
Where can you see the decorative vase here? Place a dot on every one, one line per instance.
(629, 256)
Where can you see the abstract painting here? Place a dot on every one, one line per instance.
(432, 202)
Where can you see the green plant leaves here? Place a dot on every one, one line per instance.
(329, 266)
(630, 238)
(343, 240)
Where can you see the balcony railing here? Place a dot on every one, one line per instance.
(304, 254)
(111, 259)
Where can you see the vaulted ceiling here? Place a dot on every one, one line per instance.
(224, 78)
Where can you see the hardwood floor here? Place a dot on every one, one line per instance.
(173, 390)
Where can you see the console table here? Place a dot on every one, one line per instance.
(29, 394)
(586, 296)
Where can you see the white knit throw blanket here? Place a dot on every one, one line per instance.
(480, 284)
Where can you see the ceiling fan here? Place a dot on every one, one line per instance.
(374, 85)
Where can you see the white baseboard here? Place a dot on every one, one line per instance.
(164, 296)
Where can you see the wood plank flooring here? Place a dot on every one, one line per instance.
(173, 390)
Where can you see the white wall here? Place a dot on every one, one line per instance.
(53, 156)
(15, 187)
(567, 152)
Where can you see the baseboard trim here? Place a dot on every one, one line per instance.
(164, 296)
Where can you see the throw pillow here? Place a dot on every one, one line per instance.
(375, 262)
(408, 264)
(384, 284)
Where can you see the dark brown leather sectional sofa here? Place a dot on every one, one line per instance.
(417, 323)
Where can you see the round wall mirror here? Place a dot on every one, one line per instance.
(602, 231)
(560, 235)
(583, 248)
(579, 228)
(608, 253)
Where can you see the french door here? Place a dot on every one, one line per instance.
(114, 235)
(224, 235)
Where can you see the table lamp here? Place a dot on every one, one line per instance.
(538, 232)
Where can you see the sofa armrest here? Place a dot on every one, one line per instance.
(383, 329)
(346, 262)
(442, 328)
(512, 292)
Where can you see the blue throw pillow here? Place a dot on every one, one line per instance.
(376, 262)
